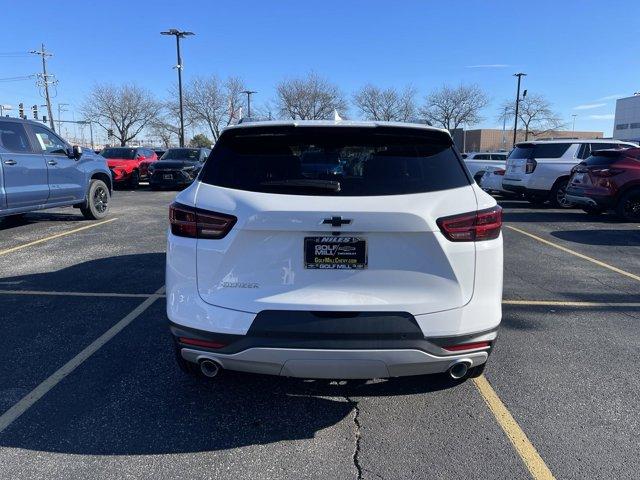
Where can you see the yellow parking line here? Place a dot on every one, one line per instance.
(26, 402)
(57, 235)
(77, 294)
(580, 255)
(518, 438)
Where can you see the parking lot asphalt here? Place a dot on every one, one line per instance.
(110, 402)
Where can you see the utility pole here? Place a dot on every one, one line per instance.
(178, 34)
(515, 123)
(45, 81)
(248, 93)
(573, 129)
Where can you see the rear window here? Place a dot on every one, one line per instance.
(181, 154)
(539, 150)
(335, 161)
(602, 159)
(123, 153)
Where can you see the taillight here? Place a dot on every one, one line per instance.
(472, 226)
(530, 166)
(499, 171)
(605, 172)
(195, 223)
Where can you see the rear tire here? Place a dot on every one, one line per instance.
(558, 195)
(98, 197)
(134, 181)
(628, 206)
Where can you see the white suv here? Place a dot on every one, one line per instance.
(334, 250)
(480, 162)
(541, 169)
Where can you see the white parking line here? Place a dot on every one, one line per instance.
(37, 393)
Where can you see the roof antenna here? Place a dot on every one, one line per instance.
(336, 116)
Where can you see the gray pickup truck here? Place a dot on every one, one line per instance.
(40, 170)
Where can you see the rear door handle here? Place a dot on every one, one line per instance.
(52, 162)
(10, 162)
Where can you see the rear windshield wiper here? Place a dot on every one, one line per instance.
(331, 185)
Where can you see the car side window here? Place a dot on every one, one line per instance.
(49, 142)
(13, 137)
(584, 151)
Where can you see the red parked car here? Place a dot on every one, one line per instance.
(129, 165)
(608, 179)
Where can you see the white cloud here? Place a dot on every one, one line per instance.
(589, 106)
(615, 96)
(604, 116)
(488, 65)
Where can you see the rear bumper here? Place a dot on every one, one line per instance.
(582, 198)
(335, 364)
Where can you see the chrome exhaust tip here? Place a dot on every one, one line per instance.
(459, 369)
(209, 368)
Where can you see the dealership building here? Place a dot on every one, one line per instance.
(493, 139)
(626, 125)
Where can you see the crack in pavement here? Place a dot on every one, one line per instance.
(358, 436)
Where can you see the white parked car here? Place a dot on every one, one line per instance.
(479, 162)
(491, 181)
(540, 170)
(390, 265)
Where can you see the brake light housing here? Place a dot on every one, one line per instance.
(605, 172)
(472, 226)
(193, 222)
(530, 166)
(499, 171)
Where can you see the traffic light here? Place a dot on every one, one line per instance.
(110, 133)
(21, 110)
(34, 110)
(44, 118)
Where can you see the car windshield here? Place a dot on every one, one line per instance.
(344, 161)
(181, 154)
(123, 153)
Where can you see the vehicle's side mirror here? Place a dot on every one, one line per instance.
(74, 152)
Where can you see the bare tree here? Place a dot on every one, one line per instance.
(126, 109)
(309, 98)
(389, 104)
(212, 103)
(450, 107)
(166, 132)
(534, 113)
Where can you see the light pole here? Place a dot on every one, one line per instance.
(515, 123)
(179, 34)
(573, 129)
(248, 93)
(60, 110)
(504, 128)
(4, 108)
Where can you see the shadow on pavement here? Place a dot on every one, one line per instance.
(141, 273)
(21, 220)
(612, 238)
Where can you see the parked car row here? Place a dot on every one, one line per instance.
(595, 175)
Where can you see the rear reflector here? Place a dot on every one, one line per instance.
(472, 226)
(196, 223)
(466, 346)
(201, 343)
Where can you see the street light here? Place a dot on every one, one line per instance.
(573, 129)
(3, 108)
(179, 34)
(515, 123)
(248, 93)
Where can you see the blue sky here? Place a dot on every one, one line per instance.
(580, 54)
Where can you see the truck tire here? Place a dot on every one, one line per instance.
(98, 197)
